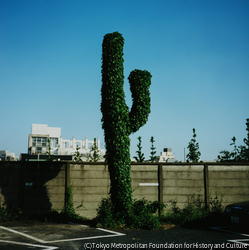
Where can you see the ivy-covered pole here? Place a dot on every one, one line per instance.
(117, 121)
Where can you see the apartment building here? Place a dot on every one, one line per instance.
(38, 143)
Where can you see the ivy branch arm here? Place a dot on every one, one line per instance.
(140, 81)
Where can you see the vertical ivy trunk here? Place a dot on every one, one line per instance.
(117, 121)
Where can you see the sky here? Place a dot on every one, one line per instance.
(196, 50)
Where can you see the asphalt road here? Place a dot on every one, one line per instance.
(48, 236)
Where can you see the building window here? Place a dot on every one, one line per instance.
(66, 144)
(39, 150)
(39, 141)
(44, 142)
(54, 142)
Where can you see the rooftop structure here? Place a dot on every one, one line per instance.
(166, 156)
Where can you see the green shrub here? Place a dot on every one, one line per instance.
(106, 216)
(141, 215)
(195, 209)
(59, 217)
(216, 205)
(7, 215)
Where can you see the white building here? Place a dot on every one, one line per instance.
(5, 155)
(38, 142)
(166, 156)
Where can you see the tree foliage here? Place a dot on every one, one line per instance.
(77, 155)
(117, 121)
(193, 146)
(140, 156)
(152, 152)
(239, 153)
(94, 156)
(48, 153)
(245, 149)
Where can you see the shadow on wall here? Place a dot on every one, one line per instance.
(23, 185)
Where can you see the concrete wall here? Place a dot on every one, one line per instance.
(182, 181)
(34, 187)
(37, 187)
(144, 179)
(230, 182)
(90, 184)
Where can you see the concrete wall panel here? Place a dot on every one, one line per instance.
(39, 186)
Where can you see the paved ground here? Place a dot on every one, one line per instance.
(48, 236)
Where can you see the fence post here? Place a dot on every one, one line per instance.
(160, 184)
(206, 186)
(67, 183)
(21, 186)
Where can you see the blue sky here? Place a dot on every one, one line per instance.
(196, 50)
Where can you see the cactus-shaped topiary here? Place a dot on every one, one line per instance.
(117, 121)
